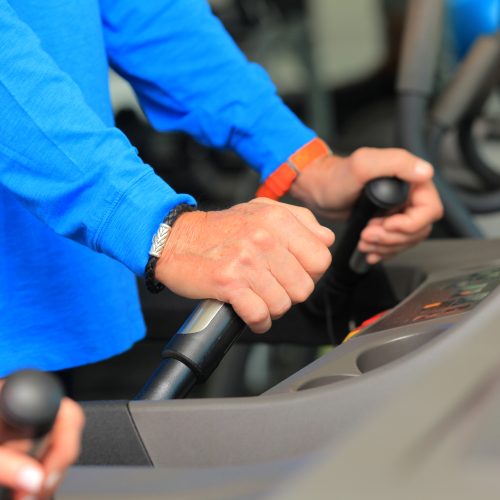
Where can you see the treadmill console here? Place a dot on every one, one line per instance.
(442, 298)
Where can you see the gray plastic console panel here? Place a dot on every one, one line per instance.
(423, 425)
(438, 438)
(207, 483)
(326, 401)
(435, 436)
(110, 437)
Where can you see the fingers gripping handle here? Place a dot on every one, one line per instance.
(29, 403)
(380, 197)
(195, 351)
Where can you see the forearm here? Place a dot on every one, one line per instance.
(190, 76)
(79, 176)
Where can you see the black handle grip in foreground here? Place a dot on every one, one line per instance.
(194, 352)
(380, 197)
(29, 403)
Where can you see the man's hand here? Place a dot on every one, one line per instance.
(27, 477)
(332, 184)
(261, 257)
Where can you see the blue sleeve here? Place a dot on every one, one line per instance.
(189, 75)
(78, 175)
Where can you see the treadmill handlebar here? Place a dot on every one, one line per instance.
(380, 197)
(194, 352)
(206, 336)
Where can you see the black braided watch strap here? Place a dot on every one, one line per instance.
(152, 284)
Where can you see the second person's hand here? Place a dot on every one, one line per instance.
(261, 257)
(25, 476)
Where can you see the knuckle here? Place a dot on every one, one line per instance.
(281, 308)
(225, 275)
(307, 212)
(304, 291)
(276, 213)
(261, 238)
(322, 260)
(257, 317)
(402, 155)
(360, 157)
(244, 257)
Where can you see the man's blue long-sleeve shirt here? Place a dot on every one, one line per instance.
(78, 206)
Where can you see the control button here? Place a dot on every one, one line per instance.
(456, 310)
(478, 296)
(460, 301)
(432, 305)
(477, 287)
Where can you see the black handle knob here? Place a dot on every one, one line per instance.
(381, 196)
(29, 403)
(195, 351)
(30, 400)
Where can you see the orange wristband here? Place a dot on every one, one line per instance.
(280, 181)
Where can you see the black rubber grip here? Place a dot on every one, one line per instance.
(195, 351)
(380, 197)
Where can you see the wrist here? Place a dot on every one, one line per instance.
(314, 185)
(159, 242)
(282, 179)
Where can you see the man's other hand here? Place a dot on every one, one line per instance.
(332, 184)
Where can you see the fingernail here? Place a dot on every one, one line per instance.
(52, 480)
(30, 479)
(423, 168)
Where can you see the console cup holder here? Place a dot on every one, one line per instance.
(391, 351)
(322, 381)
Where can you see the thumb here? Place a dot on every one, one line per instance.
(371, 163)
(421, 171)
